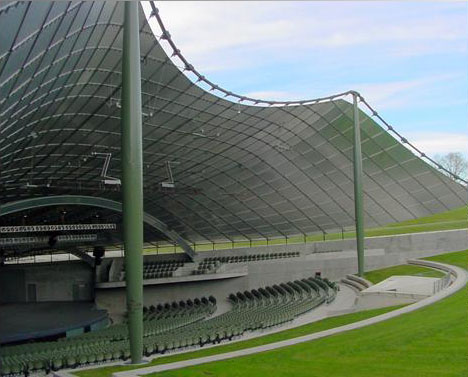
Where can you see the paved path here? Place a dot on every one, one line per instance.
(459, 283)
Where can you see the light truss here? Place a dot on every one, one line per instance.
(44, 241)
(56, 228)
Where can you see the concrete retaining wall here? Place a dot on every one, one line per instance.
(334, 259)
(60, 281)
(417, 244)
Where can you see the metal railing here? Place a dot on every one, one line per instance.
(442, 283)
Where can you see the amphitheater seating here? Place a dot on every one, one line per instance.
(174, 325)
(252, 310)
(207, 267)
(102, 345)
(157, 270)
(252, 257)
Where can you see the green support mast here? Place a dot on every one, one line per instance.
(132, 177)
(358, 197)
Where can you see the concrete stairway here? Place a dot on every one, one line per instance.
(355, 282)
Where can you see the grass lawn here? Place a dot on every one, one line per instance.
(377, 276)
(457, 214)
(457, 258)
(425, 343)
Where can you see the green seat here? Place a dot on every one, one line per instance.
(57, 364)
(82, 359)
(71, 361)
(149, 349)
(38, 364)
(92, 358)
(5, 369)
(16, 368)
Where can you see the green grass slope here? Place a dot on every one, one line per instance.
(457, 258)
(457, 214)
(430, 342)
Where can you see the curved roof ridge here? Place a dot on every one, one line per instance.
(256, 101)
(227, 93)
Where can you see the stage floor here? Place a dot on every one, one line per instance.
(24, 321)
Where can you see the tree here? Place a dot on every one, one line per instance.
(455, 163)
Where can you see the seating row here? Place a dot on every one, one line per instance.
(251, 310)
(207, 267)
(156, 270)
(252, 257)
(101, 345)
(175, 325)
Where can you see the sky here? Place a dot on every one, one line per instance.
(408, 59)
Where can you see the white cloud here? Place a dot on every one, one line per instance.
(204, 30)
(421, 49)
(433, 143)
(275, 95)
(218, 37)
(405, 93)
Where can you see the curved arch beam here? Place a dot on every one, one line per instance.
(91, 201)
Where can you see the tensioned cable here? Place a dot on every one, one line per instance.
(222, 108)
(158, 87)
(406, 142)
(401, 164)
(255, 101)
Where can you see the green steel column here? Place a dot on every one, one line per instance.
(358, 197)
(132, 178)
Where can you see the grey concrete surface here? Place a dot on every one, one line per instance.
(364, 282)
(59, 281)
(382, 300)
(26, 321)
(396, 290)
(334, 259)
(234, 273)
(357, 286)
(413, 285)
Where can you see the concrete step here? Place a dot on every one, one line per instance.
(352, 284)
(360, 280)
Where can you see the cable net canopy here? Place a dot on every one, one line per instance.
(213, 169)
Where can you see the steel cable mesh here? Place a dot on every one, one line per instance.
(243, 170)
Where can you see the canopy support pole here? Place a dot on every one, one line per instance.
(132, 178)
(358, 196)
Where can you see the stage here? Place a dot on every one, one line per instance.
(24, 321)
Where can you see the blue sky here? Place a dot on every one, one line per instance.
(408, 59)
